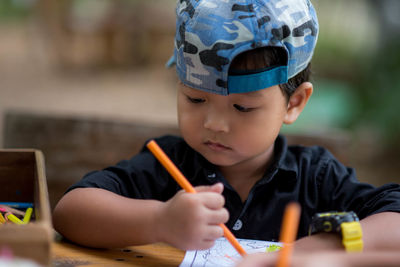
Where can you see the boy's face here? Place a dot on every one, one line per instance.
(233, 129)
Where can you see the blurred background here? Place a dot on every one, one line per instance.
(84, 81)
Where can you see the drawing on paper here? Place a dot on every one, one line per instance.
(223, 254)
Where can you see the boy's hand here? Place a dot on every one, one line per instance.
(191, 221)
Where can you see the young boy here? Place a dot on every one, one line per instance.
(244, 70)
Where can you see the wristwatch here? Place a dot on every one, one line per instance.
(345, 223)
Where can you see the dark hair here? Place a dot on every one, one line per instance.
(264, 57)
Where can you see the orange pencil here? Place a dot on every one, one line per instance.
(288, 234)
(185, 184)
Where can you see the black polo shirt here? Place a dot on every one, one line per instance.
(308, 175)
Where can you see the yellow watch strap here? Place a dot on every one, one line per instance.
(352, 236)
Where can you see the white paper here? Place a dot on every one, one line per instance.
(223, 254)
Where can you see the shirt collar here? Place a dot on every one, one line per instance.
(285, 159)
(282, 162)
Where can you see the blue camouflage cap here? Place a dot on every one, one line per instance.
(211, 33)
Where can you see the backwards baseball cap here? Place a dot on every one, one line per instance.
(211, 33)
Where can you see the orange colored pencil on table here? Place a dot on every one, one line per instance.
(185, 184)
(288, 234)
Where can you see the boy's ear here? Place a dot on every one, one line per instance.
(297, 102)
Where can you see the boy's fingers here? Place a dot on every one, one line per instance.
(219, 216)
(217, 188)
(212, 201)
(206, 244)
(214, 232)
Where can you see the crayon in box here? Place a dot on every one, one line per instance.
(23, 179)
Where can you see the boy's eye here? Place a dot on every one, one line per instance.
(242, 109)
(195, 100)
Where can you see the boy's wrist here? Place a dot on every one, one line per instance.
(344, 224)
(320, 241)
(157, 222)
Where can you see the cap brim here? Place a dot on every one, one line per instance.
(257, 81)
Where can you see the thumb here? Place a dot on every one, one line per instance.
(217, 188)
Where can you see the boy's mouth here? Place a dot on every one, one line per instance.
(216, 146)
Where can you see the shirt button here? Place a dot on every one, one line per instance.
(238, 225)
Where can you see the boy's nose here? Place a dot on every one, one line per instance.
(216, 121)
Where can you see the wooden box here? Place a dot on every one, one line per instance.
(23, 179)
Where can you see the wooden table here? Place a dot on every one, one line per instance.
(70, 255)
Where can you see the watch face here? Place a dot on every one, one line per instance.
(331, 221)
